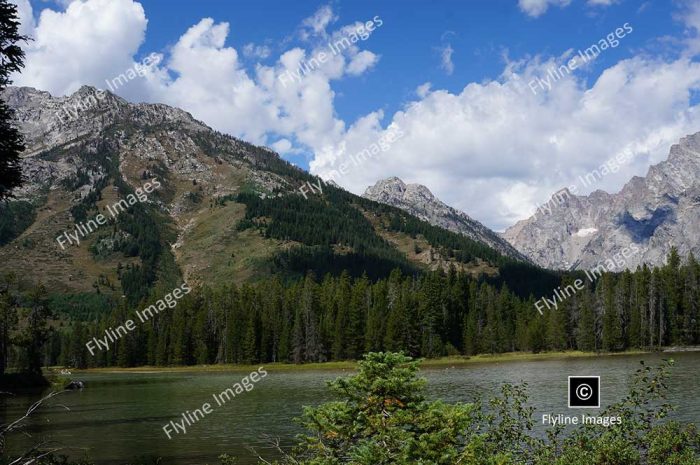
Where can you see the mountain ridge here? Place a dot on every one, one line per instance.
(227, 210)
(419, 201)
(654, 212)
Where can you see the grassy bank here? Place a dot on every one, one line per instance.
(444, 362)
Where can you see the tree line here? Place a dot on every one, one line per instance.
(341, 318)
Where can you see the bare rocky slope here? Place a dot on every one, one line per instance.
(649, 215)
(417, 200)
(82, 147)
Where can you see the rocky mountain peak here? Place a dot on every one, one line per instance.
(419, 190)
(419, 201)
(651, 214)
(140, 136)
(392, 187)
(395, 187)
(47, 120)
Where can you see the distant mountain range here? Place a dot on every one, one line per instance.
(651, 213)
(229, 211)
(638, 225)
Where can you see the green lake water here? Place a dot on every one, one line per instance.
(120, 415)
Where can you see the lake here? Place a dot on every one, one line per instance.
(120, 415)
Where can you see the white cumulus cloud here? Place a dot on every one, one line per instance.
(90, 41)
(496, 150)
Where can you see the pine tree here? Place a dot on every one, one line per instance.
(691, 301)
(304, 321)
(523, 314)
(431, 316)
(298, 355)
(36, 331)
(491, 335)
(8, 318)
(398, 326)
(77, 349)
(556, 327)
(342, 329)
(586, 332)
(11, 61)
(313, 348)
(506, 309)
(612, 324)
(360, 302)
(672, 282)
(376, 318)
(250, 343)
(471, 330)
(538, 333)
(637, 300)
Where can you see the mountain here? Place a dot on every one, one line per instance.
(122, 198)
(417, 200)
(645, 219)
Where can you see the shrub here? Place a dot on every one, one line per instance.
(383, 417)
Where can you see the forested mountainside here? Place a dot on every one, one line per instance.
(218, 211)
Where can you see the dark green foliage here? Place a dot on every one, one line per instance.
(12, 54)
(322, 260)
(522, 278)
(15, 218)
(25, 314)
(383, 418)
(322, 224)
(146, 230)
(23, 380)
(673, 444)
(194, 197)
(34, 312)
(136, 282)
(11, 145)
(81, 307)
(244, 224)
(313, 222)
(11, 61)
(425, 315)
(525, 279)
(9, 303)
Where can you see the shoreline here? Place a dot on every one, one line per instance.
(443, 362)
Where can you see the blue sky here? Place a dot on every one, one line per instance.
(451, 76)
(480, 32)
